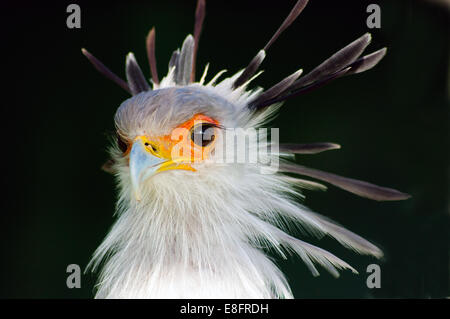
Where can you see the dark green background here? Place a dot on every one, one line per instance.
(391, 121)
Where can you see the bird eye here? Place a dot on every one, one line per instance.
(122, 144)
(203, 134)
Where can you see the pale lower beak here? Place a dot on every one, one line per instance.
(143, 164)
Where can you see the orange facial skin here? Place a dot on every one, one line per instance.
(178, 147)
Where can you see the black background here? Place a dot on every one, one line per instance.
(392, 122)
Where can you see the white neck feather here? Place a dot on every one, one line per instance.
(199, 236)
(183, 242)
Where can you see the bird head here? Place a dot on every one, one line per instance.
(168, 131)
(177, 133)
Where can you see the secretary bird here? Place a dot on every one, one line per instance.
(192, 225)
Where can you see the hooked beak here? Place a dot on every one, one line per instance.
(147, 159)
(143, 164)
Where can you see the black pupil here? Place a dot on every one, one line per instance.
(203, 134)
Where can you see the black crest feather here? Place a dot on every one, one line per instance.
(253, 66)
(135, 77)
(360, 188)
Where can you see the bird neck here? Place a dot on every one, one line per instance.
(184, 247)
